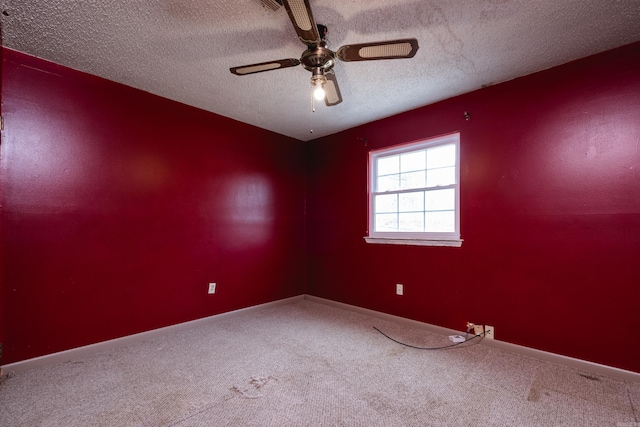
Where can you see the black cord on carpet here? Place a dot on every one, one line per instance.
(429, 348)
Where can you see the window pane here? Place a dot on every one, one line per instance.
(388, 183)
(414, 161)
(412, 202)
(386, 203)
(386, 222)
(411, 222)
(443, 176)
(442, 156)
(440, 200)
(412, 180)
(388, 165)
(440, 222)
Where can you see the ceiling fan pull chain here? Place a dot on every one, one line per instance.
(313, 110)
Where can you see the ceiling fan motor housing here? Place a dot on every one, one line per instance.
(318, 57)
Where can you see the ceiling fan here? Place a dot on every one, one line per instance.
(319, 59)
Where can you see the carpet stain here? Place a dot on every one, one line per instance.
(3, 378)
(252, 391)
(396, 351)
(534, 395)
(590, 377)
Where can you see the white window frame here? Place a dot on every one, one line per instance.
(414, 238)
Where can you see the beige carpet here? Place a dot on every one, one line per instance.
(307, 364)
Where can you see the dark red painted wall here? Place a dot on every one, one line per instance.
(550, 194)
(118, 208)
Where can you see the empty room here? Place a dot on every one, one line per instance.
(318, 212)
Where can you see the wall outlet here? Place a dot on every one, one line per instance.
(212, 288)
(478, 329)
(399, 289)
(489, 332)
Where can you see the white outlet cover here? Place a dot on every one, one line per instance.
(399, 289)
(212, 288)
(456, 338)
(489, 332)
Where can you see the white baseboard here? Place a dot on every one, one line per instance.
(580, 364)
(75, 353)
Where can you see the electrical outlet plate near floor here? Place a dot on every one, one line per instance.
(489, 332)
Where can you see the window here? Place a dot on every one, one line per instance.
(414, 193)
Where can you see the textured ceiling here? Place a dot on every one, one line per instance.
(183, 49)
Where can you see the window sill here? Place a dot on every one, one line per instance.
(414, 242)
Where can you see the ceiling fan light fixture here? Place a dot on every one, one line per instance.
(318, 91)
(318, 80)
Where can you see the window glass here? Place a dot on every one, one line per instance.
(440, 200)
(414, 161)
(388, 165)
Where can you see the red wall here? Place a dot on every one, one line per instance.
(550, 194)
(118, 208)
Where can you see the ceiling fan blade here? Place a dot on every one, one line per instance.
(392, 49)
(264, 66)
(300, 14)
(272, 4)
(331, 90)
